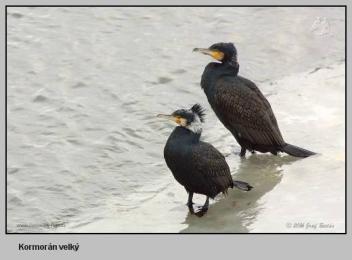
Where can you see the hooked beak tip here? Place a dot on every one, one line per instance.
(203, 50)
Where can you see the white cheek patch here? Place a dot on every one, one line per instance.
(183, 122)
(196, 125)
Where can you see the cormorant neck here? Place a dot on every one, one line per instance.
(186, 134)
(233, 63)
(194, 133)
(214, 70)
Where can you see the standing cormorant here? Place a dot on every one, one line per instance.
(240, 105)
(197, 165)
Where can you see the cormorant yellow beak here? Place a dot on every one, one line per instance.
(216, 54)
(176, 119)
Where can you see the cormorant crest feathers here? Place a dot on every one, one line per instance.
(197, 109)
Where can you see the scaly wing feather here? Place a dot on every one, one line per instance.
(211, 169)
(244, 109)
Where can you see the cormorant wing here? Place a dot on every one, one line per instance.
(244, 109)
(211, 167)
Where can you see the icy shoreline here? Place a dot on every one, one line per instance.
(290, 195)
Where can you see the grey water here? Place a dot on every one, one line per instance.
(84, 146)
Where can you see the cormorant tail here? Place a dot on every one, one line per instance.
(296, 151)
(242, 185)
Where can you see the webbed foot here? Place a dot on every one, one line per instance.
(203, 209)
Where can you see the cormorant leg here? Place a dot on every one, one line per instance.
(243, 151)
(190, 202)
(203, 209)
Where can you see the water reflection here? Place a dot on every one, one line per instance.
(235, 212)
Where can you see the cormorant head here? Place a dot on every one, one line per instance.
(223, 52)
(191, 119)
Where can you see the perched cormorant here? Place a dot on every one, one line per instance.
(240, 105)
(197, 165)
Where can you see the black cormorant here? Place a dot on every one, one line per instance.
(240, 105)
(197, 165)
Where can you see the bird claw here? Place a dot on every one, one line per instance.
(201, 211)
(240, 154)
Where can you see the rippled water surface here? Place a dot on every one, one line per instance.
(85, 150)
